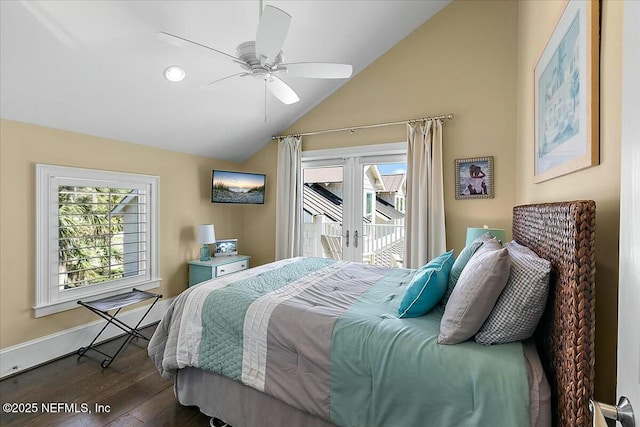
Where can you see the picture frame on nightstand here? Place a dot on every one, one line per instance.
(226, 247)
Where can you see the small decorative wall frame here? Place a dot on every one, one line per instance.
(474, 178)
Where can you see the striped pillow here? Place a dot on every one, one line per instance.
(520, 306)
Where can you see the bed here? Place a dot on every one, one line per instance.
(298, 357)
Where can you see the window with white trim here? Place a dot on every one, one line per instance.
(96, 235)
(368, 210)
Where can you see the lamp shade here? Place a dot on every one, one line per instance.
(206, 234)
(474, 233)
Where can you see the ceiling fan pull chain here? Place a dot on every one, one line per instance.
(265, 99)
(260, 11)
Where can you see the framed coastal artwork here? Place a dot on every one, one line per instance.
(474, 178)
(566, 117)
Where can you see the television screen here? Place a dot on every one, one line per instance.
(237, 187)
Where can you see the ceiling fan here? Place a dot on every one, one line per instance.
(263, 58)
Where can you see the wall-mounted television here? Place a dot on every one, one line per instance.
(237, 187)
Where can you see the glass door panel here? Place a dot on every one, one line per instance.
(353, 209)
(383, 187)
(322, 204)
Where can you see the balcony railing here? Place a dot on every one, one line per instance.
(382, 237)
(382, 244)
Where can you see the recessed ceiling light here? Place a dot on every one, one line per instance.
(174, 73)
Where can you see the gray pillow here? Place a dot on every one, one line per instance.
(458, 266)
(479, 286)
(485, 237)
(521, 304)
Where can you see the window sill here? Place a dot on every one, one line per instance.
(56, 307)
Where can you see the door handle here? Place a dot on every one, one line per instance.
(347, 237)
(355, 239)
(622, 412)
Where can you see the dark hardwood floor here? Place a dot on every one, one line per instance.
(128, 393)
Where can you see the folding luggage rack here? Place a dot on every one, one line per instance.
(102, 306)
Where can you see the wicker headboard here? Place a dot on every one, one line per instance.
(564, 233)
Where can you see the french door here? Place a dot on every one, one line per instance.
(353, 207)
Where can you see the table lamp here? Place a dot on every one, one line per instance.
(206, 235)
(474, 233)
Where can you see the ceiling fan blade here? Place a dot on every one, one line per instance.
(181, 42)
(272, 31)
(208, 85)
(318, 70)
(282, 91)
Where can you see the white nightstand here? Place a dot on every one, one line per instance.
(199, 271)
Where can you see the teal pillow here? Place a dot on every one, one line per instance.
(458, 266)
(427, 287)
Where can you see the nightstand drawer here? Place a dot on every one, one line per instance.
(200, 271)
(232, 267)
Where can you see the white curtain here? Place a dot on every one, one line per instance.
(425, 229)
(289, 198)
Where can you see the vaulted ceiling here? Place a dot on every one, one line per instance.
(96, 67)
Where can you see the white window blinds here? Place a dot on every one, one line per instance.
(97, 234)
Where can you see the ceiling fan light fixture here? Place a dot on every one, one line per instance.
(174, 73)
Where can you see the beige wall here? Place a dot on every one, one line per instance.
(259, 228)
(184, 203)
(462, 61)
(536, 20)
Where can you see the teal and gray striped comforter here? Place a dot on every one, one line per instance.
(324, 337)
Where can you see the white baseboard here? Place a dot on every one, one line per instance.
(32, 353)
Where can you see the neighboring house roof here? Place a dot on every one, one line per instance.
(317, 204)
(394, 182)
(323, 175)
(391, 183)
(387, 209)
(316, 201)
(375, 178)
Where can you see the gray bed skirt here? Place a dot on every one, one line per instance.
(243, 406)
(237, 404)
